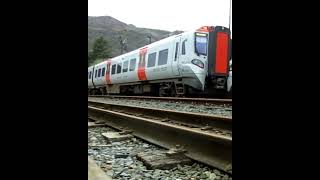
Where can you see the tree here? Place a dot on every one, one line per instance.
(101, 50)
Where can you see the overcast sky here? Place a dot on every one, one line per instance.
(164, 14)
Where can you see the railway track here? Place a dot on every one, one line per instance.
(176, 99)
(204, 138)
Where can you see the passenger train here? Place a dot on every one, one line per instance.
(191, 63)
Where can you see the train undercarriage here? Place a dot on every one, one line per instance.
(214, 87)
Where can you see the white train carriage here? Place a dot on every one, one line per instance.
(195, 61)
(90, 82)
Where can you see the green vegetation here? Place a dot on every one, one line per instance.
(100, 50)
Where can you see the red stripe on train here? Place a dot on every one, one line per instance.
(222, 53)
(108, 71)
(142, 64)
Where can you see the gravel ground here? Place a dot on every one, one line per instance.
(222, 110)
(119, 161)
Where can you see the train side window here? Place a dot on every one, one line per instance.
(95, 74)
(125, 66)
(163, 57)
(103, 71)
(152, 59)
(99, 72)
(184, 47)
(118, 68)
(90, 74)
(132, 64)
(176, 53)
(113, 70)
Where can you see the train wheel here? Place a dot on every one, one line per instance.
(173, 93)
(103, 91)
(162, 92)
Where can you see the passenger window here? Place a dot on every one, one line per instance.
(163, 57)
(184, 47)
(95, 74)
(118, 68)
(176, 53)
(125, 66)
(99, 72)
(113, 70)
(152, 59)
(90, 74)
(103, 71)
(132, 64)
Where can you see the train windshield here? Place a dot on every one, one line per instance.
(201, 44)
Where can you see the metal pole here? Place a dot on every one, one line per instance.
(230, 14)
(121, 44)
(149, 39)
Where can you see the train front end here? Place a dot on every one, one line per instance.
(216, 43)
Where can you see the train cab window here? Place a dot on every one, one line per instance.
(125, 66)
(163, 57)
(152, 59)
(201, 43)
(103, 71)
(95, 74)
(132, 64)
(113, 69)
(99, 72)
(118, 68)
(184, 47)
(176, 53)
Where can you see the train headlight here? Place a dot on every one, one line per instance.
(198, 63)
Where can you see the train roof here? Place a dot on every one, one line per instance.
(153, 44)
(201, 29)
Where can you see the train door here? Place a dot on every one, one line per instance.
(176, 56)
(142, 64)
(108, 78)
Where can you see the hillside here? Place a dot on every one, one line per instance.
(110, 28)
